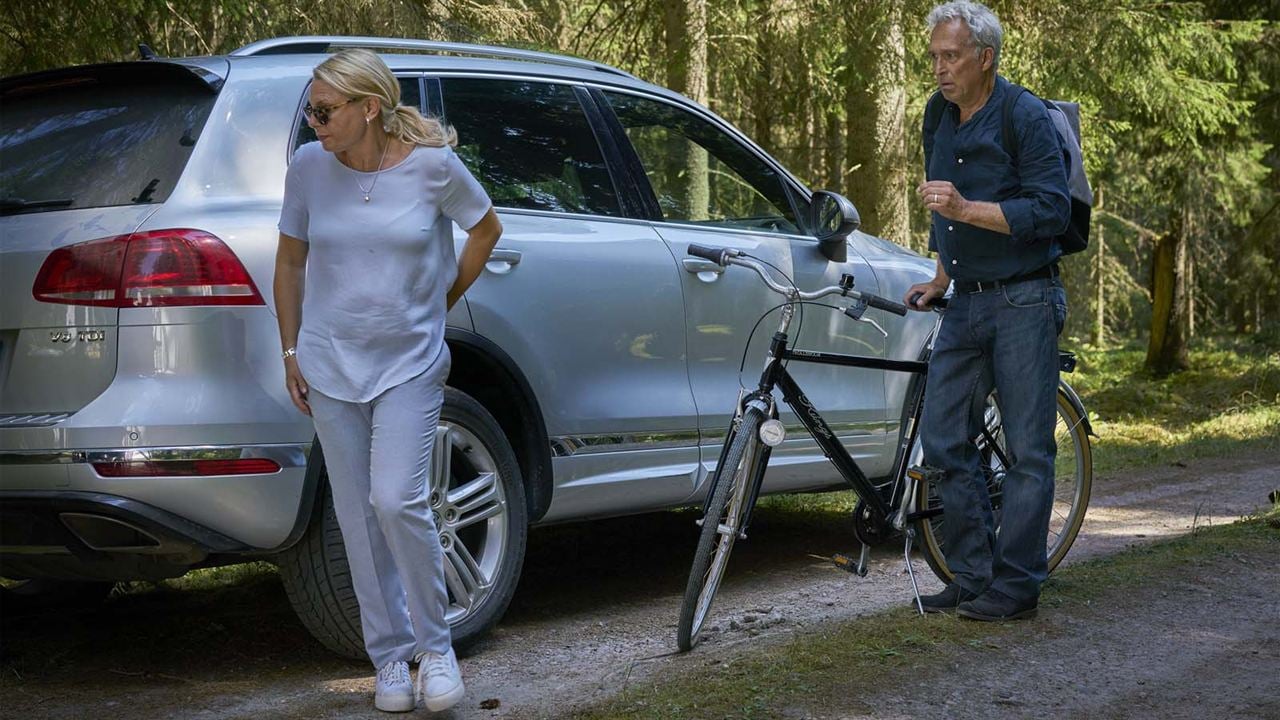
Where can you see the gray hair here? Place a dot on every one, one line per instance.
(983, 24)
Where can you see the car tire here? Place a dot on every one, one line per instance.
(483, 513)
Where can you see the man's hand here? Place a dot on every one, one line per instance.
(942, 197)
(920, 295)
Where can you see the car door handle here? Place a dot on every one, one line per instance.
(502, 261)
(697, 266)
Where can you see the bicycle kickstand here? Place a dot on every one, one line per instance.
(910, 534)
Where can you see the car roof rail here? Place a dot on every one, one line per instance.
(330, 43)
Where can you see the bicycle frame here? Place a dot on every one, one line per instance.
(775, 375)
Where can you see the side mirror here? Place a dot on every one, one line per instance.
(832, 217)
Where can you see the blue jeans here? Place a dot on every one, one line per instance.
(1006, 340)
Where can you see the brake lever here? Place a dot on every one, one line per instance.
(857, 310)
(875, 325)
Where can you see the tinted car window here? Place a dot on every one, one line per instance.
(530, 145)
(699, 173)
(98, 140)
(410, 94)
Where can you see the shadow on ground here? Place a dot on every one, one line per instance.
(243, 628)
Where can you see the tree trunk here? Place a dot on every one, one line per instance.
(1167, 350)
(686, 35)
(862, 176)
(833, 150)
(1099, 335)
(875, 147)
(1191, 290)
(891, 140)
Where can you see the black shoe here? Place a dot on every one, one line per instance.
(945, 601)
(992, 606)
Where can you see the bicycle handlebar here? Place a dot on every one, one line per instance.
(876, 301)
(728, 256)
(715, 255)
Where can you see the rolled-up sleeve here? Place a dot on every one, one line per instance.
(1042, 208)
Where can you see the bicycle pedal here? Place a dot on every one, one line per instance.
(925, 473)
(849, 565)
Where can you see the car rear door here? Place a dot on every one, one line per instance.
(712, 188)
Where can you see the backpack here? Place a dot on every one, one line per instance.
(1066, 120)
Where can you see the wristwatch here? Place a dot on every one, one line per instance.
(288, 353)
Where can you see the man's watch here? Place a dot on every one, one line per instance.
(288, 353)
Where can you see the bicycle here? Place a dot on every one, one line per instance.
(907, 502)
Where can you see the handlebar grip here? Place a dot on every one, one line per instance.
(939, 302)
(714, 254)
(876, 301)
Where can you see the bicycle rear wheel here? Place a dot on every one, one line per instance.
(721, 524)
(1073, 481)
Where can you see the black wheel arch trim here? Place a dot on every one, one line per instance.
(533, 428)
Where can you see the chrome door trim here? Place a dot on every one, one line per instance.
(291, 455)
(570, 445)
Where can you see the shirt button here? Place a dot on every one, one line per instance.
(951, 228)
(960, 160)
(953, 262)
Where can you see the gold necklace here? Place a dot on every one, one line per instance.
(376, 173)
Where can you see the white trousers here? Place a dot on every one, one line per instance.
(378, 455)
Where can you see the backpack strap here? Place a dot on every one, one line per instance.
(1008, 136)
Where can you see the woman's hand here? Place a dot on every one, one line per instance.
(296, 385)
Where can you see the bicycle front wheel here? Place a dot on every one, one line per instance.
(721, 524)
(1073, 481)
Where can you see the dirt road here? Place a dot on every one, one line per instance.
(595, 611)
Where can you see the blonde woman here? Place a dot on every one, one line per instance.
(365, 272)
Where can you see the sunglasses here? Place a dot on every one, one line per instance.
(321, 112)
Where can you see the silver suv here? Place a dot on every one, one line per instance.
(144, 427)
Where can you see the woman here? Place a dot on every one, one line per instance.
(366, 228)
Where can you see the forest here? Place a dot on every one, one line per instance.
(1180, 113)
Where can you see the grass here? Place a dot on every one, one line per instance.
(843, 661)
(1227, 403)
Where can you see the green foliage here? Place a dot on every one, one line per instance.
(1228, 403)
(1180, 107)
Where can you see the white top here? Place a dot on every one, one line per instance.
(378, 272)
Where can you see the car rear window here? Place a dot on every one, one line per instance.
(97, 139)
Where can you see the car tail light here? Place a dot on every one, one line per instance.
(148, 269)
(159, 468)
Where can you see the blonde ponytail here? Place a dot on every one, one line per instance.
(408, 125)
(358, 73)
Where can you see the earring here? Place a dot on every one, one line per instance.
(367, 120)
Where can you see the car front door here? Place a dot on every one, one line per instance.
(712, 188)
(585, 299)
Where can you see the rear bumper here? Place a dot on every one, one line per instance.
(241, 513)
(76, 535)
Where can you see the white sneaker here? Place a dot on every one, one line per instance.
(439, 681)
(394, 692)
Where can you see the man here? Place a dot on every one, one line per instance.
(994, 226)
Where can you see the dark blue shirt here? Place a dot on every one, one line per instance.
(1032, 193)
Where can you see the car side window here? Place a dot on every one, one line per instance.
(410, 94)
(699, 173)
(530, 145)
